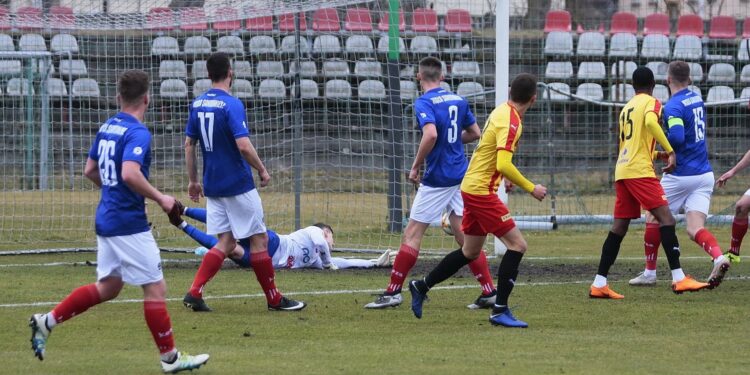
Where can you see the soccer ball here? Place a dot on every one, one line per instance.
(445, 223)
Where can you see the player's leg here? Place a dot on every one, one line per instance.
(196, 213)
(343, 263)
(739, 226)
(651, 242)
(507, 273)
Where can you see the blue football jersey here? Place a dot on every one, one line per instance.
(684, 116)
(121, 211)
(217, 119)
(446, 164)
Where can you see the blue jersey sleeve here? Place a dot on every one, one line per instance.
(675, 125)
(469, 118)
(237, 119)
(93, 151)
(425, 113)
(137, 145)
(192, 129)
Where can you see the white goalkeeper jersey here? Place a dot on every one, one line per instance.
(305, 248)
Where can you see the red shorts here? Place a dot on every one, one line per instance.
(634, 193)
(485, 214)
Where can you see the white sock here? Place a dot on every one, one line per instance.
(677, 275)
(719, 258)
(50, 320)
(183, 225)
(600, 281)
(649, 273)
(170, 356)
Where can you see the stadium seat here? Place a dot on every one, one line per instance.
(289, 44)
(334, 68)
(309, 69)
(199, 69)
(286, 22)
(623, 45)
(197, 45)
(591, 91)
(407, 72)
(556, 70)
(242, 88)
(165, 45)
(696, 90)
(227, 19)
(745, 74)
(423, 44)
(56, 87)
(690, 24)
(10, 68)
(659, 68)
(200, 86)
(554, 95)
(6, 43)
(470, 90)
(357, 19)
(19, 87)
(61, 18)
(445, 86)
(4, 22)
(160, 19)
(424, 20)
(722, 27)
(29, 18)
(85, 87)
(696, 72)
(626, 69)
(272, 89)
(359, 44)
(656, 24)
(168, 69)
(745, 94)
(265, 23)
(383, 45)
(557, 20)
(621, 92)
(624, 22)
(383, 25)
(173, 88)
(558, 43)
(368, 68)
(661, 93)
(193, 19)
(655, 46)
(230, 44)
(32, 43)
(592, 70)
(76, 68)
(470, 69)
(261, 44)
(408, 90)
(371, 89)
(242, 69)
(721, 72)
(338, 89)
(688, 47)
(308, 89)
(591, 43)
(743, 52)
(458, 21)
(63, 43)
(326, 44)
(269, 69)
(720, 94)
(746, 29)
(326, 20)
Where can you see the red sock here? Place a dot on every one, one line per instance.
(263, 268)
(78, 301)
(481, 271)
(157, 319)
(210, 266)
(405, 260)
(651, 242)
(739, 228)
(707, 241)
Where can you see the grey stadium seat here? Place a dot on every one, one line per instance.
(687, 47)
(19, 86)
(371, 89)
(200, 86)
(592, 70)
(309, 69)
(327, 44)
(64, 43)
(696, 90)
(242, 69)
(165, 45)
(308, 89)
(289, 44)
(558, 43)
(621, 92)
(261, 44)
(720, 94)
(32, 43)
(745, 94)
(368, 68)
(659, 68)
(745, 75)
(591, 91)
(338, 89)
(554, 95)
(170, 69)
(197, 45)
(423, 44)
(56, 87)
(76, 68)
(230, 44)
(743, 54)
(655, 46)
(269, 69)
(626, 69)
(6, 43)
(199, 69)
(623, 45)
(721, 72)
(408, 90)
(590, 44)
(85, 87)
(383, 45)
(10, 68)
(335, 68)
(173, 88)
(696, 72)
(445, 86)
(559, 70)
(661, 92)
(359, 44)
(467, 69)
(470, 88)
(272, 89)
(242, 88)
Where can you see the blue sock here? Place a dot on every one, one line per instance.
(196, 213)
(199, 236)
(243, 262)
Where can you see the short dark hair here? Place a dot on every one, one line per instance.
(431, 69)
(323, 226)
(218, 65)
(679, 71)
(643, 79)
(132, 85)
(523, 88)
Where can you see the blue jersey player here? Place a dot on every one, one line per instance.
(218, 123)
(447, 123)
(118, 163)
(689, 187)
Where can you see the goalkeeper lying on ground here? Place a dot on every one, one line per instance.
(306, 248)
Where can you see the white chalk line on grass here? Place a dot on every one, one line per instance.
(333, 292)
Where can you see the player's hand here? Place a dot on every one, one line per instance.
(175, 214)
(722, 181)
(414, 175)
(539, 192)
(508, 186)
(265, 178)
(662, 155)
(671, 163)
(167, 203)
(195, 191)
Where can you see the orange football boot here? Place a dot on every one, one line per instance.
(688, 284)
(604, 292)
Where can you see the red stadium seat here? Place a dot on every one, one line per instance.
(61, 17)
(4, 19)
(193, 19)
(722, 27)
(228, 19)
(160, 19)
(265, 23)
(624, 22)
(458, 21)
(746, 28)
(358, 19)
(690, 24)
(656, 23)
(326, 19)
(28, 18)
(557, 20)
(286, 22)
(383, 24)
(424, 21)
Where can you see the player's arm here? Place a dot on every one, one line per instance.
(91, 171)
(471, 134)
(742, 164)
(136, 181)
(251, 157)
(653, 127)
(429, 138)
(508, 170)
(676, 134)
(195, 190)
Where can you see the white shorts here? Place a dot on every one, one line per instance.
(133, 258)
(691, 193)
(241, 214)
(430, 203)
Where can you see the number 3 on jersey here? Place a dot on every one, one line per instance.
(207, 129)
(107, 167)
(453, 130)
